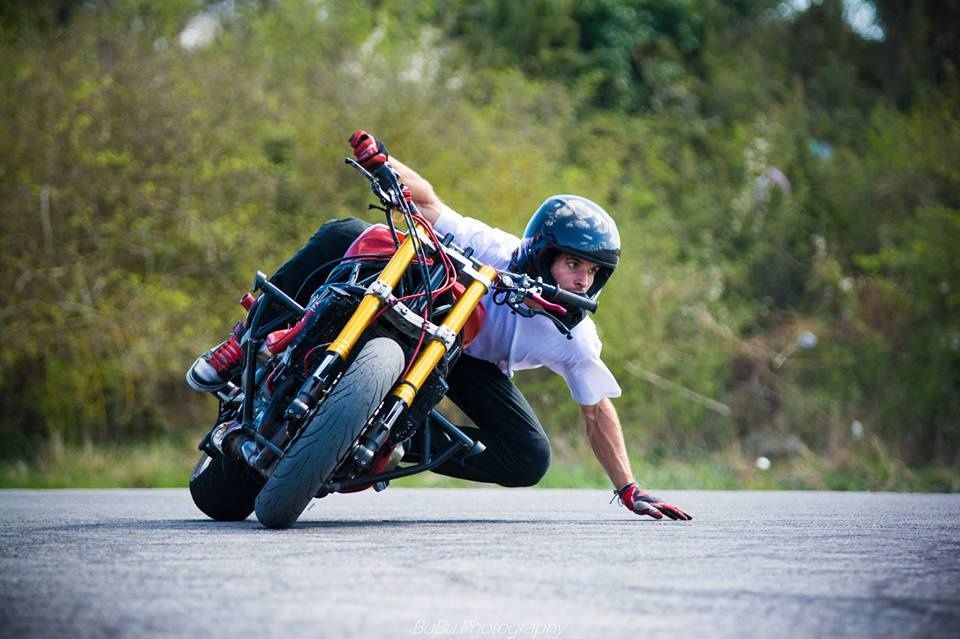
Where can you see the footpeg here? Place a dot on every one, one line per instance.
(477, 448)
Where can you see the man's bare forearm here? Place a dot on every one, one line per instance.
(422, 191)
(606, 438)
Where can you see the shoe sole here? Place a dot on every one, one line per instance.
(200, 386)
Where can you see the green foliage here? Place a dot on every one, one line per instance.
(770, 175)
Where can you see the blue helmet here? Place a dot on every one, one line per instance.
(569, 224)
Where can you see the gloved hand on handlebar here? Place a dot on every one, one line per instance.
(645, 504)
(370, 152)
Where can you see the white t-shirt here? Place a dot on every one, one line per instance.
(514, 342)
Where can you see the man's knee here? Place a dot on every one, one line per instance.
(339, 231)
(533, 465)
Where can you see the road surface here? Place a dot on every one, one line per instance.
(482, 563)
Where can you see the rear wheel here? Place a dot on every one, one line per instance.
(325, 442)
(224, 488)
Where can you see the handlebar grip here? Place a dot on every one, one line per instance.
(568, 299)
(370, 152)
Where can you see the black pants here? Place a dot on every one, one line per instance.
(518, 451)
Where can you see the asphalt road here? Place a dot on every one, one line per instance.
(482, 563)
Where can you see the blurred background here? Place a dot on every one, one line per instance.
(785, 174)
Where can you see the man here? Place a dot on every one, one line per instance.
(569, 241)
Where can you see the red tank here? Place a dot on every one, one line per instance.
(376, 240)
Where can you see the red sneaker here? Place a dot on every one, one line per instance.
(216, 367)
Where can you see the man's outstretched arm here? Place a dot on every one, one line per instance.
(606, 438)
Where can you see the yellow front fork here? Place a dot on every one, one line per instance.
(455, 320)
(408, 387)
(370, 305)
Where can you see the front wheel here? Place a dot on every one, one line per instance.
(325, 442)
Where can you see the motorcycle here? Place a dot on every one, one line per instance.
(340, 395)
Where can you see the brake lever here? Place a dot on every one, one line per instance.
(531, 289)
(514, 300)
(365, 173)
(375, 186)
(550, 306)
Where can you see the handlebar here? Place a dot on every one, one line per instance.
(568, 299)
(513, 289)
(383, 183)
(543, 293)
(388, 189)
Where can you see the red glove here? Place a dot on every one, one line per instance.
(370, 152)
(644, 504)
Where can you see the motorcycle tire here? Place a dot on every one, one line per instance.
(223, 488)
(325, 442)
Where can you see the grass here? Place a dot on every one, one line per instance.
(162, 463)
(166, 463)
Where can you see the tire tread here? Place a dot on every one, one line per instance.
(326, 440)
